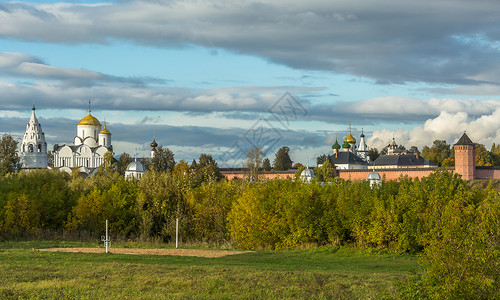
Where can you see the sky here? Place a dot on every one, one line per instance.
(219, 76)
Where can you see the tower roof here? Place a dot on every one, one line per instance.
(89, 119)
(104, 130)
(464, 140)
(336, 145)
(346, 145)
(154, 144)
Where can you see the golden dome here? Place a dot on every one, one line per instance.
(104, 130)
(350, 139)
(89, 120)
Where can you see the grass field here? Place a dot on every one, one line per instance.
(325, 272)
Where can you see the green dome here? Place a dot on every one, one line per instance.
(346, 145)
(336, 145)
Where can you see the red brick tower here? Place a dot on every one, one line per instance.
(465, 163)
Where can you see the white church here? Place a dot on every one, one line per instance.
(33, 153)
(88, 149)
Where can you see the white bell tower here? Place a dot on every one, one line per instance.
(33, 152)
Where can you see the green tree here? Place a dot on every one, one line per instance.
(483, 156)
(373, 153)
(495, 152)
(462, 253)
(207, 169)
(266, 164)
(439, 151)
(9, 161)
(282, 161)
(163, 160)
(181, 169)
(327, 172)
(123, 162)
(254, 161)
(321, 159)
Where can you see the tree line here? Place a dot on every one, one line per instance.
(455, 227)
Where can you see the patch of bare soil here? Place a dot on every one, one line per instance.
(175, 252)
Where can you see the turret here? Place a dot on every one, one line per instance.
(105, 137)
(153, 146)
(363, 149)
(33, 152)
(465, 163)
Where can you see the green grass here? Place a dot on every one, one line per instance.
(324, 272)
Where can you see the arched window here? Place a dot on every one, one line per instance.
(39, 147)
(30, 148)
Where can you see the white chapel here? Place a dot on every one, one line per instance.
(89, 147)
(33, 154)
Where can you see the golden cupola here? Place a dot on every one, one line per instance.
(350, 139)
(104, 130)
(89, 120)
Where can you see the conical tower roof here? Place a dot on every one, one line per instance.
(464, 140)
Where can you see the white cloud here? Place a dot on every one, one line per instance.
(484, 129)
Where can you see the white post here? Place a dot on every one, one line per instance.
(176, 233)
(107, 236)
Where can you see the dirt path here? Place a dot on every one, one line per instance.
(176, 252)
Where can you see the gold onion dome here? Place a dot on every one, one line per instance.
(89, 120)
(350, 139)
(104, 130)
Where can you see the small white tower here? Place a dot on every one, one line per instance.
(153, 145)
(33, 152)
(105, 137)
(363, 149)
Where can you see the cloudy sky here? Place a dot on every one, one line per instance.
(220, 76)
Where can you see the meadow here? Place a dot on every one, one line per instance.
(321, 273)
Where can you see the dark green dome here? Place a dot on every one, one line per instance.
(336, 145)
(346, 145)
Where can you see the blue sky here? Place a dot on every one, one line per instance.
(202, 76)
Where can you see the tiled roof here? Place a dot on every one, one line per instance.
(402, 160)
(464, 140)
(346, 158)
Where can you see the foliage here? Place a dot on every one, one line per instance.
(321, 159)
(116, 204)
(207, 169)
(495, 152)
(327, 173)
(254, 161)
(266, 164)
(123, 162)
(455, 227)
(462, 252)
(209, 205)
(163, 160)
(35, 201)
(9, 161)
(299, 171)
(108, 165)
(282, 161)
(438, 152)
(181, 169)
(483, 156)
(373, 153)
